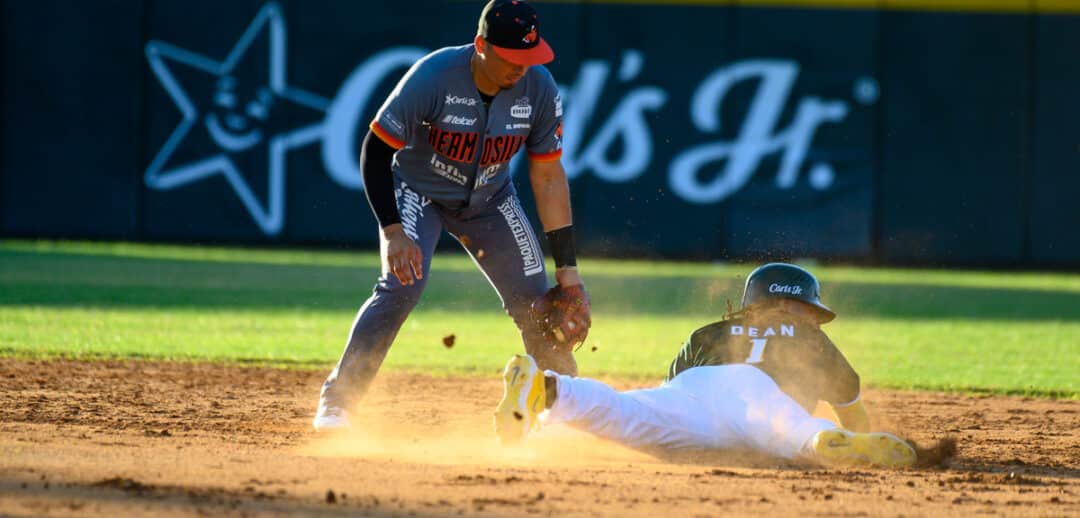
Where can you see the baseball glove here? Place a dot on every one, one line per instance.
(563, 315)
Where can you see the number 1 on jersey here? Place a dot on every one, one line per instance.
(757, 351)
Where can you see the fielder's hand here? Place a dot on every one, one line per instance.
(563, 315)
(403, 257)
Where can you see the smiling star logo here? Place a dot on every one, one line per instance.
(239, 109)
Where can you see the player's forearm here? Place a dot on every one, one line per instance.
(552, 193)
(375, 159)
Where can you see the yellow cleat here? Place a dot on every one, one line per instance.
(523, 400)
(844, 448)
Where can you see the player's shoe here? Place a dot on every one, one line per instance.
(330, 419)
(523, 399)
(844, 448)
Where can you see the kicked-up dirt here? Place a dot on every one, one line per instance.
(107, 438)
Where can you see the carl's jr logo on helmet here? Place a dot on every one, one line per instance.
(783, 288)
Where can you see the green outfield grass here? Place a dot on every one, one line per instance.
(1010, 332)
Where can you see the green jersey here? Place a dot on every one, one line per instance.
(795, 353)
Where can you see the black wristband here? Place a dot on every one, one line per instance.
(562, 246)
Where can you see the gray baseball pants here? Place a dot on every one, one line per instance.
(511, 259)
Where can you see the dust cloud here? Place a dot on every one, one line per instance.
(375, 436)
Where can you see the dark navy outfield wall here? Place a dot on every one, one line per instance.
(893, 136)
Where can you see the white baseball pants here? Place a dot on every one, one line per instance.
(724, 406)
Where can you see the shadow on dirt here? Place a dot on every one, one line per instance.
(124, 494)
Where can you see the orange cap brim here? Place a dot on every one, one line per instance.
(539, 55)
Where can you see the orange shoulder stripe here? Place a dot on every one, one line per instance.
(386, 136)
(546, 157)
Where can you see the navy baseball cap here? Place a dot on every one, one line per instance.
(513, 29)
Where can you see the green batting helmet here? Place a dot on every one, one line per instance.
(781, 280)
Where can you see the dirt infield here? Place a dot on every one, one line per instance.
(164, 439)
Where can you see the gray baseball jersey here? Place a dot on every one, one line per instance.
(451, 148)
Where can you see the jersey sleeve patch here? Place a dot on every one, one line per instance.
(546, 137)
